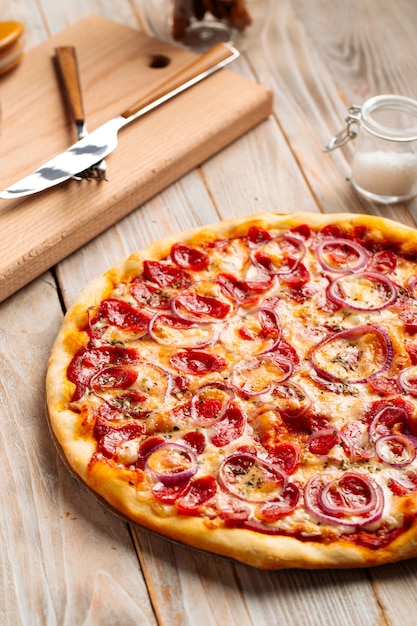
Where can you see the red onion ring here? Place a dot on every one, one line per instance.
(288, 392)
(196, 400)
(373, 277)
(102, 325)
(264, 312)
(412, 286)
(340, 439)
(338, 514)
(396, 415)
(160, 462)
(201, 317)
(264, 473)
(383, 448)
(249, 365)
(183, 341)
(408, 380)
(258, 280)
(329, 507)
(295, 242)
(90, 330)
(357, 434)
(358, 250)
(267, 326)
(111, 378)
(109, 394)
(358, 330)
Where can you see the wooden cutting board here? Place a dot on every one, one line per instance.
(117, 66)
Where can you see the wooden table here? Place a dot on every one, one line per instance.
(67, 560)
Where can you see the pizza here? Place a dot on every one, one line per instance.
(250, 389)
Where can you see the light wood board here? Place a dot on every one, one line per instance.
(116, 69)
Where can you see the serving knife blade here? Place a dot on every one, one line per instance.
(102, 141)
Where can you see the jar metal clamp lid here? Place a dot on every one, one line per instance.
(367, 116)
(384, 167)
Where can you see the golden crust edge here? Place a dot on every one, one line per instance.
(266, 552)
(259, 550)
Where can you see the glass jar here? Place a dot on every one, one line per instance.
(199, 24)
(384, 165)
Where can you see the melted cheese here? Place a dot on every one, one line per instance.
(304, 322)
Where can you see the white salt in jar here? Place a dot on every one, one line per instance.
(384, 165)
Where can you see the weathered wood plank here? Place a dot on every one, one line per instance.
(309, 598)
(317, 60)
(59, 546)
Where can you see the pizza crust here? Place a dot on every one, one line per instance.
(117, 491)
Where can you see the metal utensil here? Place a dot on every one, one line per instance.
(66, 62)
(103, 140)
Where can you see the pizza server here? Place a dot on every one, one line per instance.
(101, 142)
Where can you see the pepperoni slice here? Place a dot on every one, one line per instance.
(197, 362)
(323, 441)
(130, 404)
(230, 427)
(89, 360)
(356, 433)
(201, 490)
(251, 479)
(209, 403)
(350, 492)
(286, 456)
(149, 295)
(173, 321)
(303, 230)
(195, 440)
(384, 261)
(285, 352)
(390, 420)
(166, 275)
(189, 258)
(391, 410)
(235, 514)
(146, 448)
(199, 307)
(298, 278)
(114, 377)
(109, 438)
(317, 421)
(409, 317)
(244, 292)
(168, 494)
(180, 385)
(332, 230)
(256, 234)
(121, 314)
(411, 348)
(404, 485)
(284, 505)
(384, 386)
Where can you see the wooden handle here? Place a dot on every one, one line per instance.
(206, 61)
(67, 65)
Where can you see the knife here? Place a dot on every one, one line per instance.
(102, 141)
(66, 62)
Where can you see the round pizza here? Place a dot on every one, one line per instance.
(250, 389)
